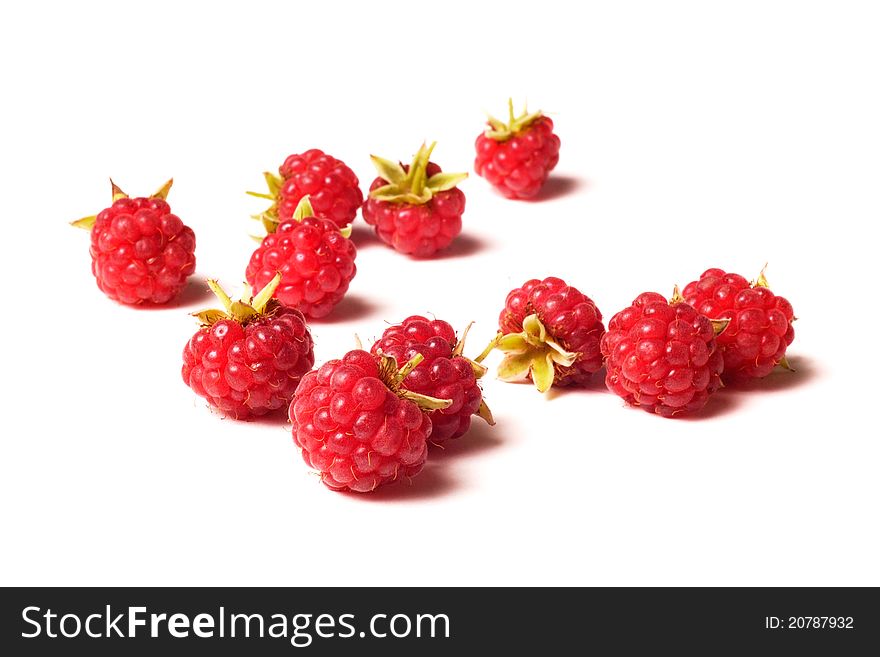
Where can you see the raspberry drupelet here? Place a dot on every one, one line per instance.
(315, 258)
(358, 426)
(518, 156)
(416, 209)
(141, 252)
(550, 332)
(662, 355)
(332, 187)
(760, 328)
(444, 373)
(248, 358)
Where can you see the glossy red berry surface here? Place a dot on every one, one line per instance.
(251, 369)
(315, 260)
(519, 165)
(141, 252)
(442, 374)
(760, 328)
(417, 229)
(570, 317)
(332, 187)
(662, 356)
(353, 429)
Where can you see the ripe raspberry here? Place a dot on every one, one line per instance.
(415, 208)
(141, 253)
(517, 157)
(662, 355)
(444, 374)
(550, 332)
(248, 359)
(315, 258)
(331, 185)
(760, 328)
(357, 425)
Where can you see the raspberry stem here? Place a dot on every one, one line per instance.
(501, 131)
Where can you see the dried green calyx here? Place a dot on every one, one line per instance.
(248, 309)
(479, 372)
(87, 223)
(500, 131)
(531, 352)
(412, 186)
(393, 377)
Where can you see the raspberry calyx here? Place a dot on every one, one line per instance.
(412, 184)
(87, 223)
(501, 131)
(248, 309)
(269, 218)
(531, 352)
(393, 377)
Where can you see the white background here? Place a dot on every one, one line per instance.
(693, 135)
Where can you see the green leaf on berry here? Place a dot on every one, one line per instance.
(501, 131)
(86, 223)
(412, 186)
(532, 353)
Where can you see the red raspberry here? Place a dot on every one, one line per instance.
(332, 187)
(357, 426)
(415, 209)
(315, 258)
(248, 359)
(444, 374)
(760, 328)
(141, 253)
(550, 332)
(662, 355)
(517, 157)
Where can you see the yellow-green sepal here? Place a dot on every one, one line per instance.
(413, 186)
(532, 353)
(162, 192)
(243, 311)
(86, 223)
(501, 131)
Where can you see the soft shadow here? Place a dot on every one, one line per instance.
(352, 307)
(478, 438)
(364, 236)
(803, 371)
(559, 186)
(432, 481)
(461, 247)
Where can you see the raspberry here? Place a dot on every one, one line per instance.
(247, 359)
(315, 258)
(662, 355)
(357, 426)
(444, 373)
(332, 187)
(760, 328)
(550, 332)
(141, 253)
(415, 209)
(517, 157)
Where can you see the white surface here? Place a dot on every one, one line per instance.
(693, 135)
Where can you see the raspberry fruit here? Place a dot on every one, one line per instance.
(662, 355)
(444, 373)
(141, 253)
(760, 328)
(332, 187)
(357, 425)
(248, 358)
(516, 157)
(315, 258)
(550, 332)
(415, 208)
